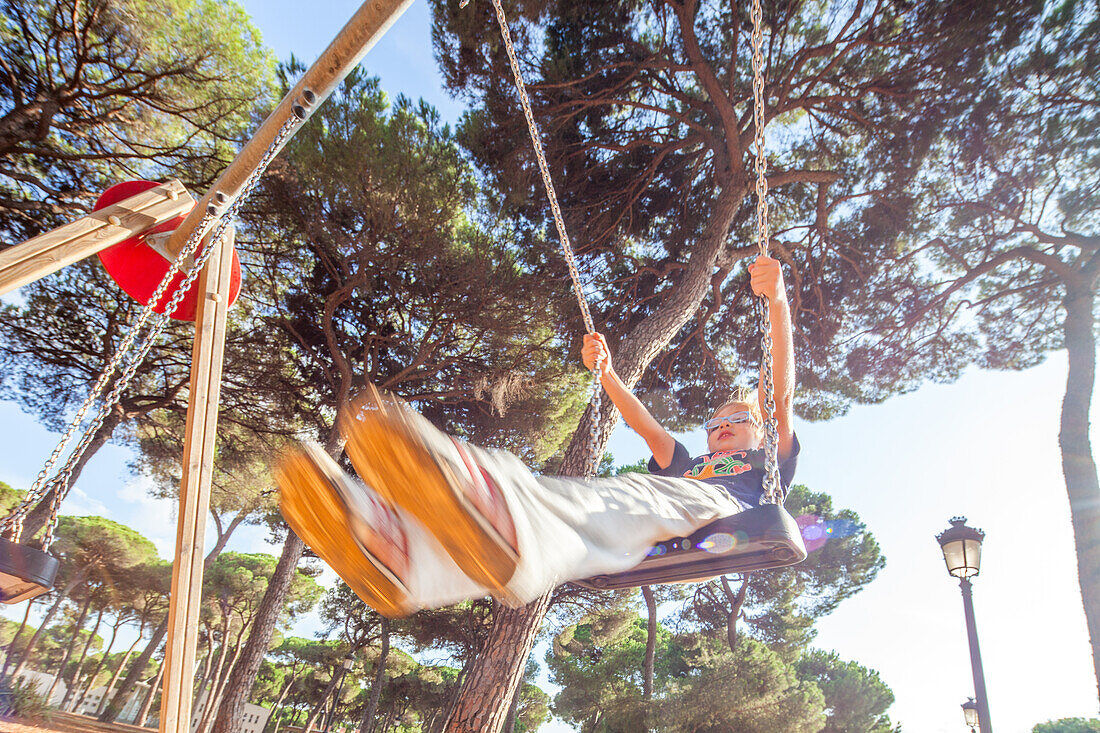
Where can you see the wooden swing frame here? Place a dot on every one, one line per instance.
(47, 253)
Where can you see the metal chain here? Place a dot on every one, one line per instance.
(41, 487)
(61, 481)
(559, 222)
(771, 483)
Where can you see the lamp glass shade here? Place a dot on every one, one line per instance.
(963, 557)
(970, 712)
(962, 548)
(349, 662)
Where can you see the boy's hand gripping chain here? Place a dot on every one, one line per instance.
(771, 430)
(559, 222)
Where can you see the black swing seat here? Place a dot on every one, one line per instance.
(24, 572)
(756, 539)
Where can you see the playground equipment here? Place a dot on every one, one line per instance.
(204, 238)
(200, 249)
(758, 538)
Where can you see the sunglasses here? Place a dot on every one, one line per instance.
(738, 417)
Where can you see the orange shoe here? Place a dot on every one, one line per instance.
(350, 527)
(433, 477)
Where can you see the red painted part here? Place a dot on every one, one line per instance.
(138, 268)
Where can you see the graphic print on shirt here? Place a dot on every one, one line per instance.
(722, 463)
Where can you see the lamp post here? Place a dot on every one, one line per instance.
(970, 713)
(962, 551)
(348, 663)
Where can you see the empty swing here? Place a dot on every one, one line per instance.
(759, 538)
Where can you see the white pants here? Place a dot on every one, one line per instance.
(568, 528)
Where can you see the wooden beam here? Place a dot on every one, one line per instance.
(24, 263)
(345, 52)
(198, 460)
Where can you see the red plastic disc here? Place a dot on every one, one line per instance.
(138, 268)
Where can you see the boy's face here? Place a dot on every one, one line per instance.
(731, 435)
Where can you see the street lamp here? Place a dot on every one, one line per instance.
(962, 551)
(348, 663)
(970, 713)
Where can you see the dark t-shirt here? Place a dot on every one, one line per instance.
(740, 472)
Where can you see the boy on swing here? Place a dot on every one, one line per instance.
(435, 521)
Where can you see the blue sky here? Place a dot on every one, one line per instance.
(984, 447)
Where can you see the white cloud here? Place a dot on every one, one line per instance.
(79, 503)
(154, 518)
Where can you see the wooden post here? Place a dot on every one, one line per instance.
(49, 252)
(198, 456)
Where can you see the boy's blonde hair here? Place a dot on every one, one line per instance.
(746, 397)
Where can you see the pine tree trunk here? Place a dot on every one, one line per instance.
(215, 698)
(483, 701)
(313, 716)
(736, 602)
(26, 655)
(650, 642)
(111, 711)
(486, 693)
(98, 667)
(379, 679)
(69, 649)
(513, 708)
(114, 705)
(70, 692)
(147, 704)
(115, 675)
(1078, 465)
(244, 674)
(210, 680)
(10, 651)
(278, 706)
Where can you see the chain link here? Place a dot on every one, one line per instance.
(771, 483)
(60, 483)
(559, 222)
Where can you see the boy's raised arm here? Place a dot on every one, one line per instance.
(630, 407)
(767, 280)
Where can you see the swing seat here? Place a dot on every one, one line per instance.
(756, 539)
(24, 572)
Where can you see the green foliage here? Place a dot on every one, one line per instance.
(533, 709)
(642, 466)
(780, 606)
(235, 583)
(751, 689)
(101, 547)
(400, 280)
(655, 177)
(26, 703)
(1068, 725)
(9, 499)
(102, 90)
(856, 698)
(712, 677)
(700, 685)
(8, 629)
